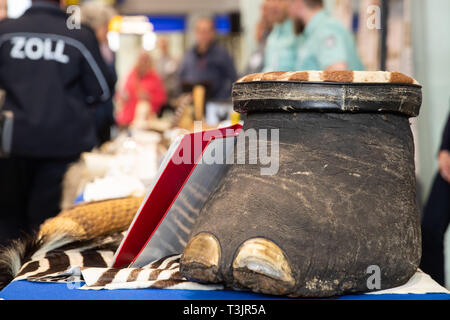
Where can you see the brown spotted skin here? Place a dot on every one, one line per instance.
(397, 77)
(348, 76)
(337, 76)
(270, 76)
(251, 77)
(299, 76)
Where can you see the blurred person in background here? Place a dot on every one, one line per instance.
(97, 15)
(436, 216)
(3, 9)
(325, 44)
(51, 75)
(143, 87)
(263, 29)
(208, 64)
(167, 68)
(282, 42)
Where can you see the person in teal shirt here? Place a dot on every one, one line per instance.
(281, 46)
(325, 43)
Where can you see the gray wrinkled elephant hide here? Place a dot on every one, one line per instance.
(342, 201)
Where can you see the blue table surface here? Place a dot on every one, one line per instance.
(25, 290)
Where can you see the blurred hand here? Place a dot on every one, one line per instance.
(444, 165)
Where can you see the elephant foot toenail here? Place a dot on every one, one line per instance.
(262, 266)
(200, 260)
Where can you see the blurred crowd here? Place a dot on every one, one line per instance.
(301, 35)
(290, 35)
(62, 99)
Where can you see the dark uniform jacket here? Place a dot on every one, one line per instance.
(446, 136)
(51, 74)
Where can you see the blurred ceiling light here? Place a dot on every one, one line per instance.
(139, 25)
(149, 41)
(134, 25)
(115, 25)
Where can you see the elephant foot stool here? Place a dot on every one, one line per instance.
(342, 202)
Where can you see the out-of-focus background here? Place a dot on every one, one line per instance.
(410, 36)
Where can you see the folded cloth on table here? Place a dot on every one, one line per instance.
(420, 283)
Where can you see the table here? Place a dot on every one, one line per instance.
(25, 290)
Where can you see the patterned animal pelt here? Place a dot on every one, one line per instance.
(85, 223)
(88, 262)
(79, 244)
(55, 264)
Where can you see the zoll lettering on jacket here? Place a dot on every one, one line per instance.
(38, 49)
